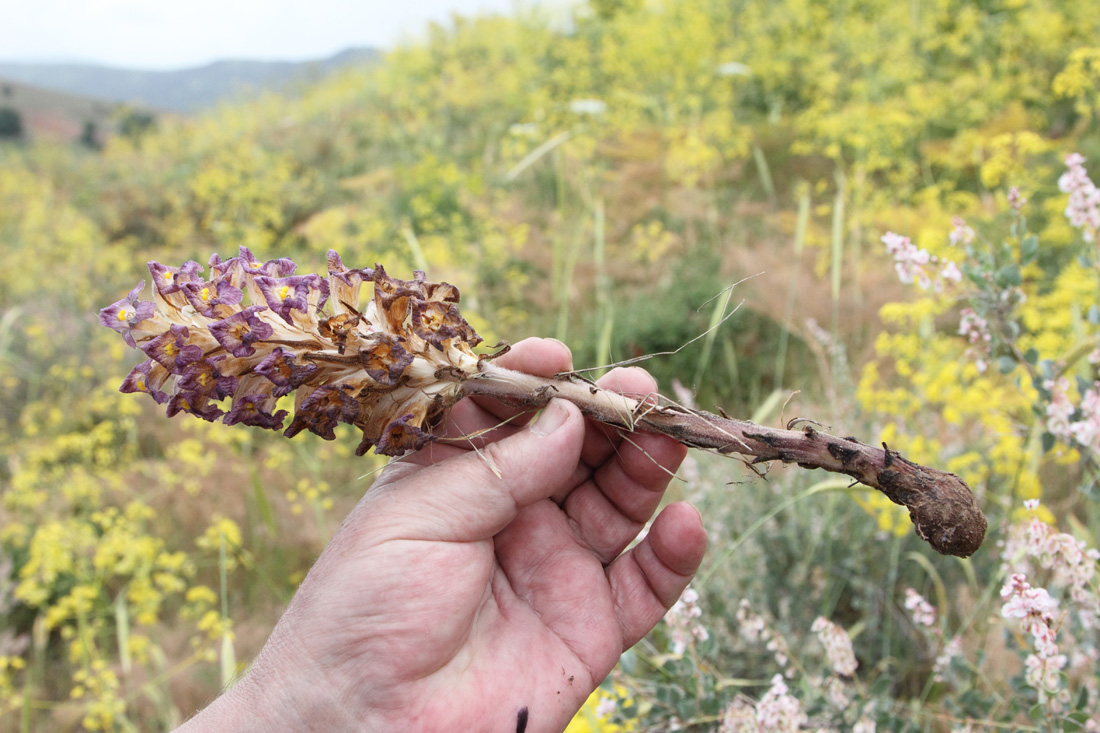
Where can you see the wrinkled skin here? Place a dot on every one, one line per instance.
(459, 598)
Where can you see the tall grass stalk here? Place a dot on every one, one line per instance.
(419, 260)
(933, 575)
(36, 667)
(122, 630)
(717, 314)
(858, 198)
(837, 249)
(892, 570)
(26, 712)
(557, 241)
(733, 372)
(7, 329)
(792, 293)
(765, 172)
(267, 516)
(834, 587)
(157, 687)
(228, 656)
(259, 491)
(319, 517)
(534, 156)
(565, 285)
(768, 407)
(603, 288)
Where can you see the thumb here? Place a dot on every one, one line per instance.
(476, 495)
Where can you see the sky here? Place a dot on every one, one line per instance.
(171, 34)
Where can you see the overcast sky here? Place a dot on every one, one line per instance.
(169, 34)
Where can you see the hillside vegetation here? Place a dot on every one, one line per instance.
(600, 182)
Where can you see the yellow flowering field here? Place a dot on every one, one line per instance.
(900, 191)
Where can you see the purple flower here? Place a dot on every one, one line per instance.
(365, 444)
(441, 292)
(281, 368)
(400, 437)
(194, 403)
(169, 279)
(383, 358)
(204, 296)
(430, 322)
(297, 292)
(171, 350)
(435, 322)
(286, 294)
(392, 296)
(349, 277)
(338, 328)
(345, 284)
(239, 331)
(127, 313)
(250, 410)
(230, 269)
(272, 268)
(146, 377)
(322, 410)
(203, 377)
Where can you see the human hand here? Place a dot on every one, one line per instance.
(481, 584)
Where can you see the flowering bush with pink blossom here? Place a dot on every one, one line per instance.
(1083, 209)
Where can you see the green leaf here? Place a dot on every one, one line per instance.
(881, 687)
(1009, 276)
(628, 660)
(1029, 249)
(1048, 442)
(1094, 315)
(976, 276)
(1032, 356)
(1074, 721)
(1006, 364)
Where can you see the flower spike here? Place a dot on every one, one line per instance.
(393, 366)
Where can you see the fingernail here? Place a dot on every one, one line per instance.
(551, 418)
(567, 349)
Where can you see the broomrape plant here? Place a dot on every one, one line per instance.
(394, 366)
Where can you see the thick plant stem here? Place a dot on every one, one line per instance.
(941, 505)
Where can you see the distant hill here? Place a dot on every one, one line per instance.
(49, 115)
(183, 90)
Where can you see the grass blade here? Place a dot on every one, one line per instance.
(534, 155)
(716, 316)
(837, 249)
(765, 172)
(792, 293)
(122, 630)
